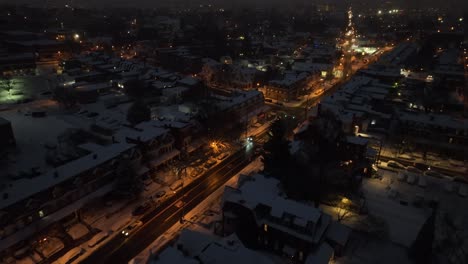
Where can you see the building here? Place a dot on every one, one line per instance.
(262, 217)
(247, 105)
(287, 89)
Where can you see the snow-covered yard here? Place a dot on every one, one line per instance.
(360, 250)
(404, 221)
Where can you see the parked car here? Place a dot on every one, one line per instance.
(141, 209)
(160, 194)
(222, 156)
(405, 157)
(196, 172)
(132, 227)
(394, 164)
(98, 238)
(176, 186)
(70, 256)
(434, 174)
(210, 164)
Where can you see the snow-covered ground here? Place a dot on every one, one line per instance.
(395, 202)
(362, 251)
(206, 211)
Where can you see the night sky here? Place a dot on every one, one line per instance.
(449, 4)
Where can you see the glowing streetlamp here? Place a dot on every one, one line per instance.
(345, 200)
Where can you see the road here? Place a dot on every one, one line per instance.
(155, 223)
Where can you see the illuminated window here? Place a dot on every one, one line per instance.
(265, 227)
(41, 214)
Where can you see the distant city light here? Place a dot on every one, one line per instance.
(379, 12)
(460, 19)
(76, 36)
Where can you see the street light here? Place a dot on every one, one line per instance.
(345, 200)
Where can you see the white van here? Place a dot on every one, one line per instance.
(98, 238)
(177, 185)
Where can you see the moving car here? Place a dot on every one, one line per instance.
(132, 227)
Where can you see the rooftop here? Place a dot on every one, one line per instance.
(262, 190)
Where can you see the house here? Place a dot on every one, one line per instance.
(262, 218)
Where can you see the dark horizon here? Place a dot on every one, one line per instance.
(455, 5)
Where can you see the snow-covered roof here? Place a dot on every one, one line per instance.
(338, 233)
(237, 99)
(193, 242)
(230, 250)
(171, 255)
(144, 132)
(436, 120)
(24, 188)
(322, 256)
(189, 81)
(357, 140)
(262, 190)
